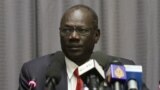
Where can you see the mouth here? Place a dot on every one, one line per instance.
(75, 47)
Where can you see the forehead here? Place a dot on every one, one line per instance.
(78, 18)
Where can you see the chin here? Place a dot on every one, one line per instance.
(75, 55)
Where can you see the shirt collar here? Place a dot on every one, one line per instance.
(71, 66)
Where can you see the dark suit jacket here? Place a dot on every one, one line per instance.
(37, 69)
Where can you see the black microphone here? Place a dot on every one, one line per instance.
(116, 75)
(32, 84)
(103, 60)
(92, 74)
(53, 75)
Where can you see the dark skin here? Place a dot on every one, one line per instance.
(82, 34)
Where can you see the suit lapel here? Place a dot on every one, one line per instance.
(63, 84)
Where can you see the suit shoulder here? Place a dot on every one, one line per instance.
(42, 61)
(37, 64)
(122, 60)
(105, 60)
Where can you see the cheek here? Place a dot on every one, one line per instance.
(89, 42)
(63, 39)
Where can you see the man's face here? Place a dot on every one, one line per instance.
(78, 36)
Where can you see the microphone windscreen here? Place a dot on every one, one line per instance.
(32, 83)
(116, 62)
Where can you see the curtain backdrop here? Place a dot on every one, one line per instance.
(29, 29)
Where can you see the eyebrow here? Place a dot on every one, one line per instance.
(69, 26)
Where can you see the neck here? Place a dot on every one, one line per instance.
(80, 62)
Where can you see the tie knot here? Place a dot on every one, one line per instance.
(76, 72)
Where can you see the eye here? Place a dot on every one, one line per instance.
(83, 31)
(66, 30)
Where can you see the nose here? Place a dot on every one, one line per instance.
(74, 35)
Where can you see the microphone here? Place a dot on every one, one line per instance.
(92, 74)
(105, 61)
(116, 75)
(32, 84)
(53, 75)
(134, 77)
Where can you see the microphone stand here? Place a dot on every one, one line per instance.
(31, 87)
(118, 86)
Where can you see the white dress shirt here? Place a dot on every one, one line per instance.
(72, 80)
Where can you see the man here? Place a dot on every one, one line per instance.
(79, 33)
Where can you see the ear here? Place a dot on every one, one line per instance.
(97, 35)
